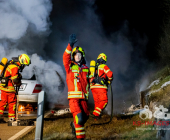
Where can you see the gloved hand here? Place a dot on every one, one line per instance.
(110, 82)
(19, 76)
(72, 39)
(18, 84)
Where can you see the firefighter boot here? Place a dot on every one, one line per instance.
(2, 119)
(73, 128)
(95, 117)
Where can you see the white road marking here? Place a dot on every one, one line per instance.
(17, 135)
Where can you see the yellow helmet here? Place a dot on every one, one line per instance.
(78, 49)
(102, 56)
(24, 59)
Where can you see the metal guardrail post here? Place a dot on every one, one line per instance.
(17, 105)
(40, 116)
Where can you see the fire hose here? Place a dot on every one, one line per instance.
(111, 116)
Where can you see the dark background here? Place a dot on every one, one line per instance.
(144, 16)
(127, 31)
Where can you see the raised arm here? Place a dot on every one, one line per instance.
(67, 53)
(67, 58)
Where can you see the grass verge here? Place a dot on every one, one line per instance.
(118, 128)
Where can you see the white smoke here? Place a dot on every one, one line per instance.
(35, 12)
(144, 84)
(17, 15)
(24, 27)
(145, 80)
(46, 75)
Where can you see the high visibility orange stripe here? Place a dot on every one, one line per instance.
(75, 94)
(72, 92)
(75, 97)
(80, 128)
(107, 71)
(80, 133)
(98, 108)
(98, 87)
(9, 114)
(67, 51)
(9, 90)
(1, 111)
(96, 112)
(14, 77)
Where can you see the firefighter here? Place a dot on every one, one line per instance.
(78, 86)
(99, 83)
(13, 80)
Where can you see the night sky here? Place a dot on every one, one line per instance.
(143, 16)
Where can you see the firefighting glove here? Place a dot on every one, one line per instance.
(18, 84)
(19, 76)
(72, 40)
(110, 82)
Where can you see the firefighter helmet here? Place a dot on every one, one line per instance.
(24, 59)
(102, 56)
(78, 49)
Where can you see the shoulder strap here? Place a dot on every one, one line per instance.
(96, 71)
(2, 64)
(5, 66)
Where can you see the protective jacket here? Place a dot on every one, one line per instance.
(103, 71)
(8, 92)
(12, 72)
(76, 77)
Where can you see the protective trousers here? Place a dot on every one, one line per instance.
(80, 112)
(100, 100)
(10, 99)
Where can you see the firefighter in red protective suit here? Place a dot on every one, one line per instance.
(13, 79)
(78, 86)
(99, 83)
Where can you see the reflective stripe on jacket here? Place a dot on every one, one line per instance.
(103, 72)
(77, 77)
(11, 72)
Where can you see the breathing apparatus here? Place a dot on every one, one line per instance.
(101, 59)
(2, 64)
(92, 67)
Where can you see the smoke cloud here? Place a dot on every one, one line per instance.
(33, 27)
(123, 47)
(25, 26)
